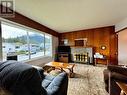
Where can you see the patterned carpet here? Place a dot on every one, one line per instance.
(88, 80)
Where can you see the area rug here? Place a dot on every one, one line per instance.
(88, 80)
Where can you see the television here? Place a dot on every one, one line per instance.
(64, 49)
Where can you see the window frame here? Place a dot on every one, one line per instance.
(27, 29)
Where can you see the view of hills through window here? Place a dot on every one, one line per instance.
(24, 43)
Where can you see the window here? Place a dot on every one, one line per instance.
(36, 44)
(26, 44)
(13, 37)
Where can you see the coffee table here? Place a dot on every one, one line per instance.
(62, 66)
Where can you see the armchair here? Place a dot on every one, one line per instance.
(118, 78)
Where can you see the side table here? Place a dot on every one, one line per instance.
(104, 59)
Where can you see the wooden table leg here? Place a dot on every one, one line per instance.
(95, 61)
(70, 72)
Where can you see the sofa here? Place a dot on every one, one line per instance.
(17, 78)
(115, 74)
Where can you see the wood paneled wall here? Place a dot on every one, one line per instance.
(96, 38)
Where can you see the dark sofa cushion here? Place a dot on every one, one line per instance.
(40, 70)
(20, 78)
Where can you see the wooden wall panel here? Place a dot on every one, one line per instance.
(91, 38)
(114, 48)
(96, 38)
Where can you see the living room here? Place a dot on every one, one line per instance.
(81, 41)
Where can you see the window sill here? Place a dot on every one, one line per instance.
(37, 58)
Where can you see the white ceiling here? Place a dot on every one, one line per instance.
(72, 15)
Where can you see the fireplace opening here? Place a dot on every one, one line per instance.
(81, 57)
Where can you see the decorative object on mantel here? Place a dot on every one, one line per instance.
(81, 42)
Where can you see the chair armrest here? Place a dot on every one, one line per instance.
(123, 87)
(119, 77)
(118, 69)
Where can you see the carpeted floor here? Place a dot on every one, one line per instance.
(88, 80)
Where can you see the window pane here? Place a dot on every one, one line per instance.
(36, 43)
(48, 45)
(14, 41)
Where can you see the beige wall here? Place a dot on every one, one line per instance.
(122, 47)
